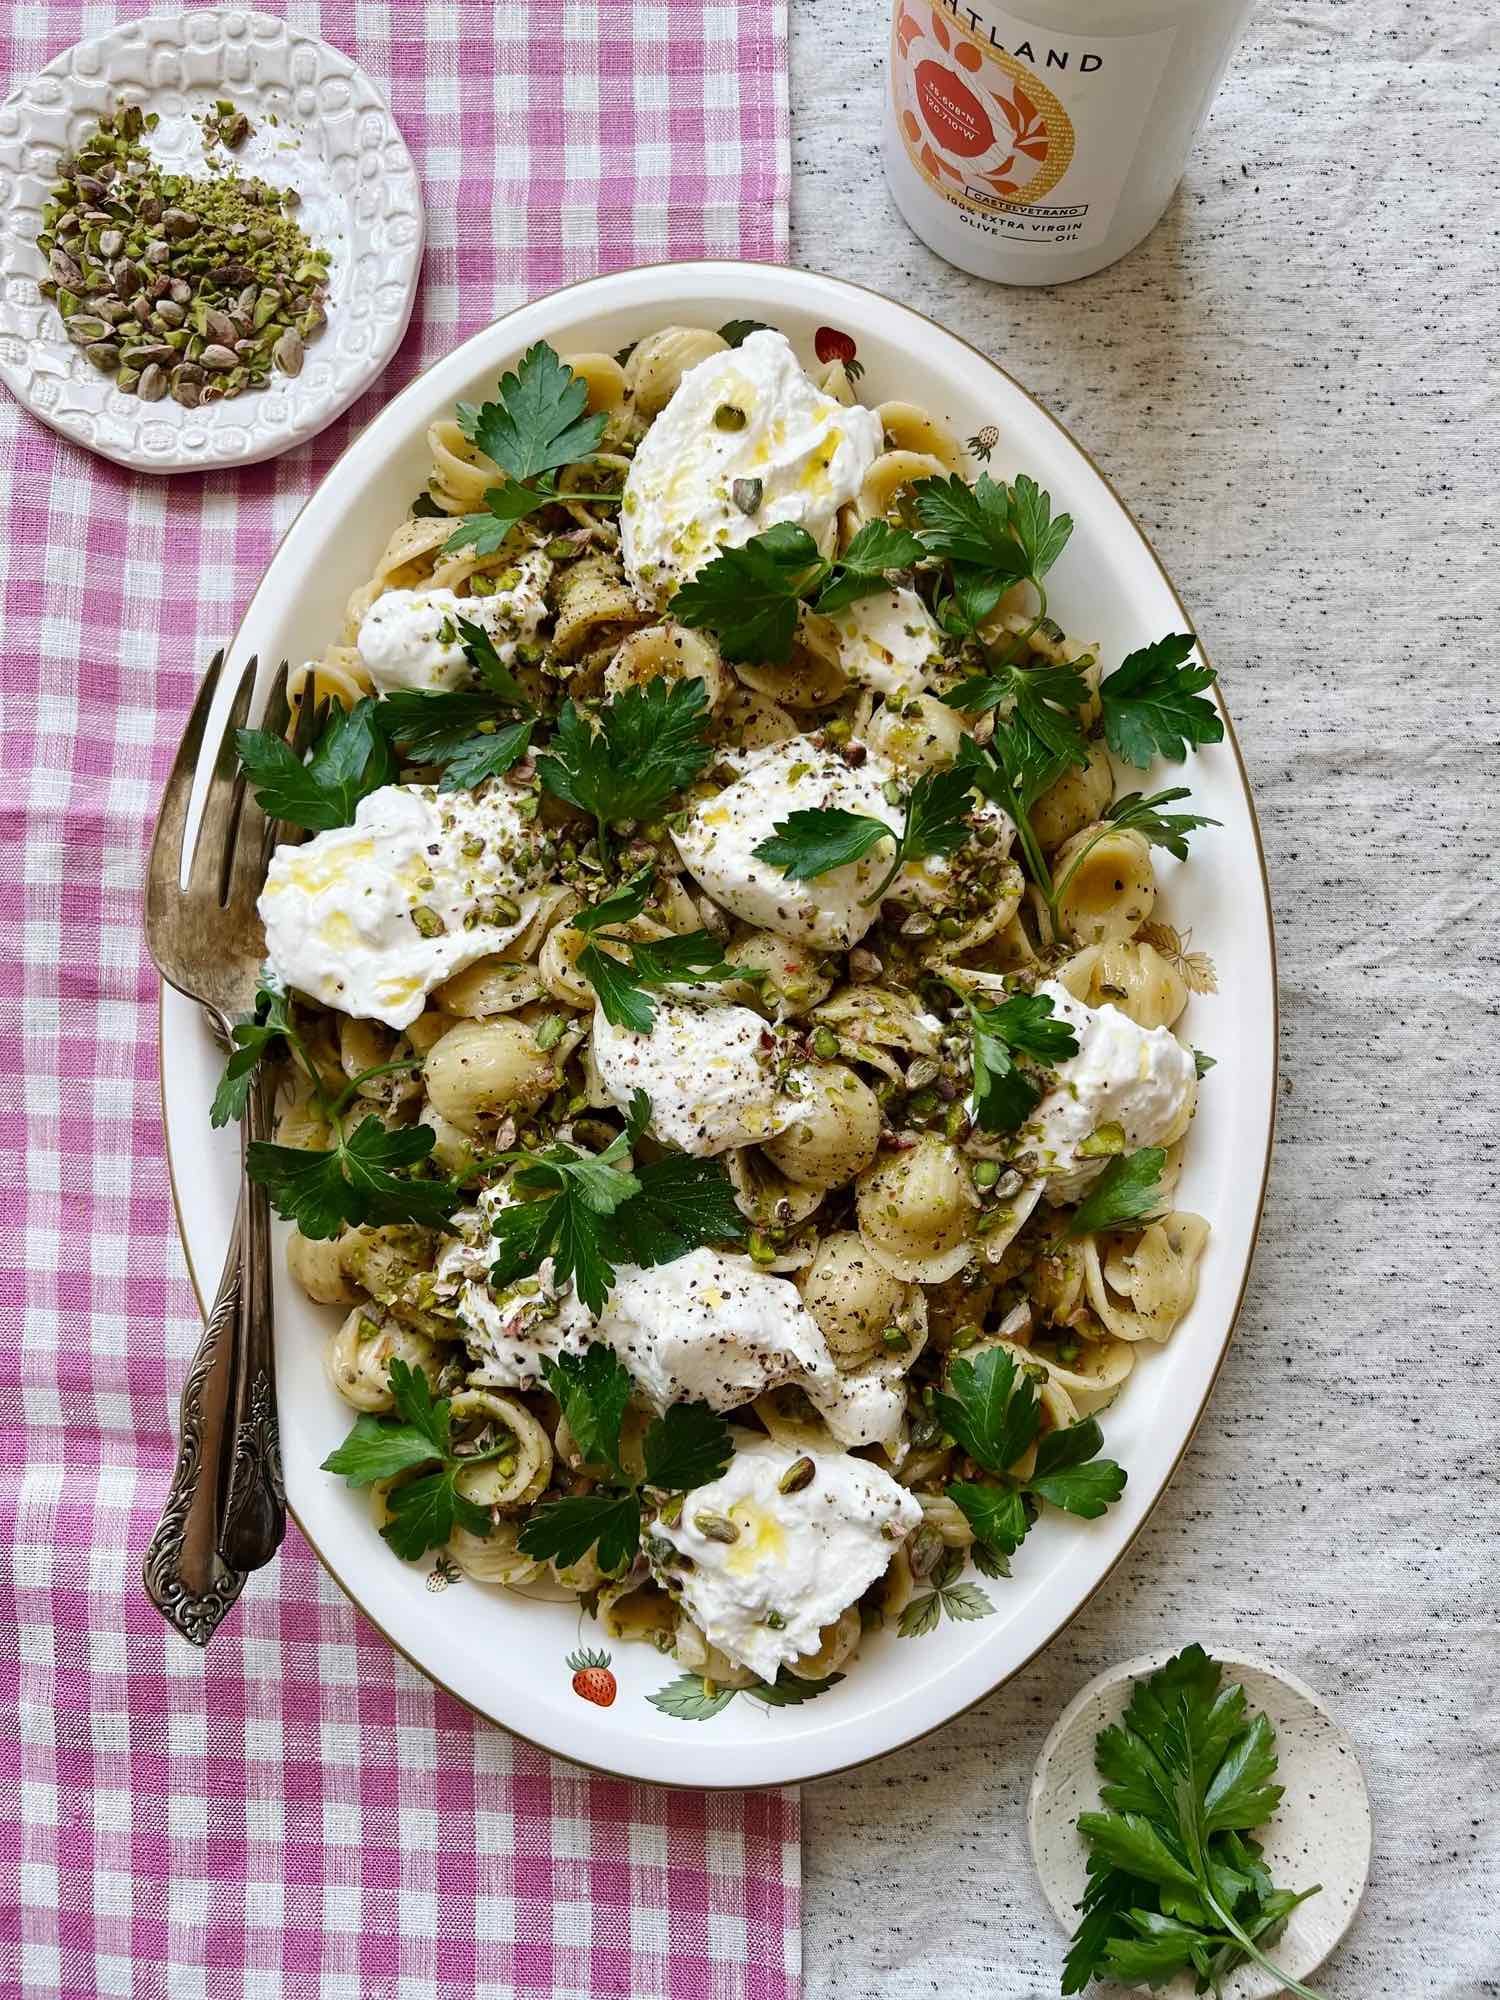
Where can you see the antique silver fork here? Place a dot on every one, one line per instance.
(226, 1510)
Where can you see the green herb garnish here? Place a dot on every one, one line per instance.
(538, 425)
(751, 596)
(351, 758)
(649, 743)
(1175, 1883)
(811, 842)
(1025, 1024)
(992, 1409)
(424, 1512)
(1153, 704)
(589, 1213)
(688, 1445)
(1124, 1194)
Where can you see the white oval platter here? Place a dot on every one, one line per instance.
(334, 141)
(501, 1653)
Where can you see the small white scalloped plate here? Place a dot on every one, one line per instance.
(334, 141)
(1322, 1831)
(501, 1653)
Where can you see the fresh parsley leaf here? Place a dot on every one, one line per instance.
(1024, 1024)
(1143, 815)
(350, 759)
(680, 1205)
(1173, 1882)
(1108, 1895)
(457, 731)
(1124, 1195)
(356, 1181)
(487, 533)
(593, 1388)
(1070, 1474)
(1042, 538)
(252, 1040)
(970, 524)
(997, 1514)
(540, 422)
(595, 1214)
(1153, 704)
(687, 1699)
(563, 1531)
(378, 1449)
(863, 567)
(479, 650)
(1046, 698)
(619, 974)
(620, 905)
(621, 1000)
(1013, 769)
(651, 741)
(818, 839)
(936, 820)
(734, 331)
(424, 1512)
(750, 596)
(991, 1408)
(687, 1446)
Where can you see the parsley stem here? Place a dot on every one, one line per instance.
(869, 902)
(347, 1095)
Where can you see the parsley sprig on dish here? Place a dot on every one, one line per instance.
(621, 969)
(351, 758)
(992, 1410)
(364, 1174)
(687, 1446)
(461, 730)
(425, 1511)
(751, 597)
(1175, 1883)
(538, 425)
(640, 750)
(590, 1212)
(811, 842)
(1005, 1091)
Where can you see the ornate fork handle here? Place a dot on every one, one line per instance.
(254, 1510)
(185, 1577)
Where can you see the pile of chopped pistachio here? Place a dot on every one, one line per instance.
(196, 288)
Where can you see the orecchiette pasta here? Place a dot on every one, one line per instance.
(1108, 886)
(483, 1069)
(819, 913)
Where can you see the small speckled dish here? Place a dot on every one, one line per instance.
(334, 141)
(1322, 1832)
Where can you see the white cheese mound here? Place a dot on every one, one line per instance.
(718, 841)
(1141, 1079)
(710, 1328)
(747, 414)
(801, 1558)
(887, 641)
(707, 1070)
(409, 638)
(369, 918)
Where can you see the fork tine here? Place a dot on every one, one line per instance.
(164, 867)
(255, 834)
(212, 854)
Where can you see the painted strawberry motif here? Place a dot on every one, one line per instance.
(830, 344)
(592, 1678)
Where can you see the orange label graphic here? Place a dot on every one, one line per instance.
(974, 119)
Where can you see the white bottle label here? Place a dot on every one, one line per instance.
(1027, 134)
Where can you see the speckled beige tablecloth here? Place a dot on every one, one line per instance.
(1292, 383)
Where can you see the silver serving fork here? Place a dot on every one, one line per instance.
(226, 1511)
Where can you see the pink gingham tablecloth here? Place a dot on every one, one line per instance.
(296, 1812)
